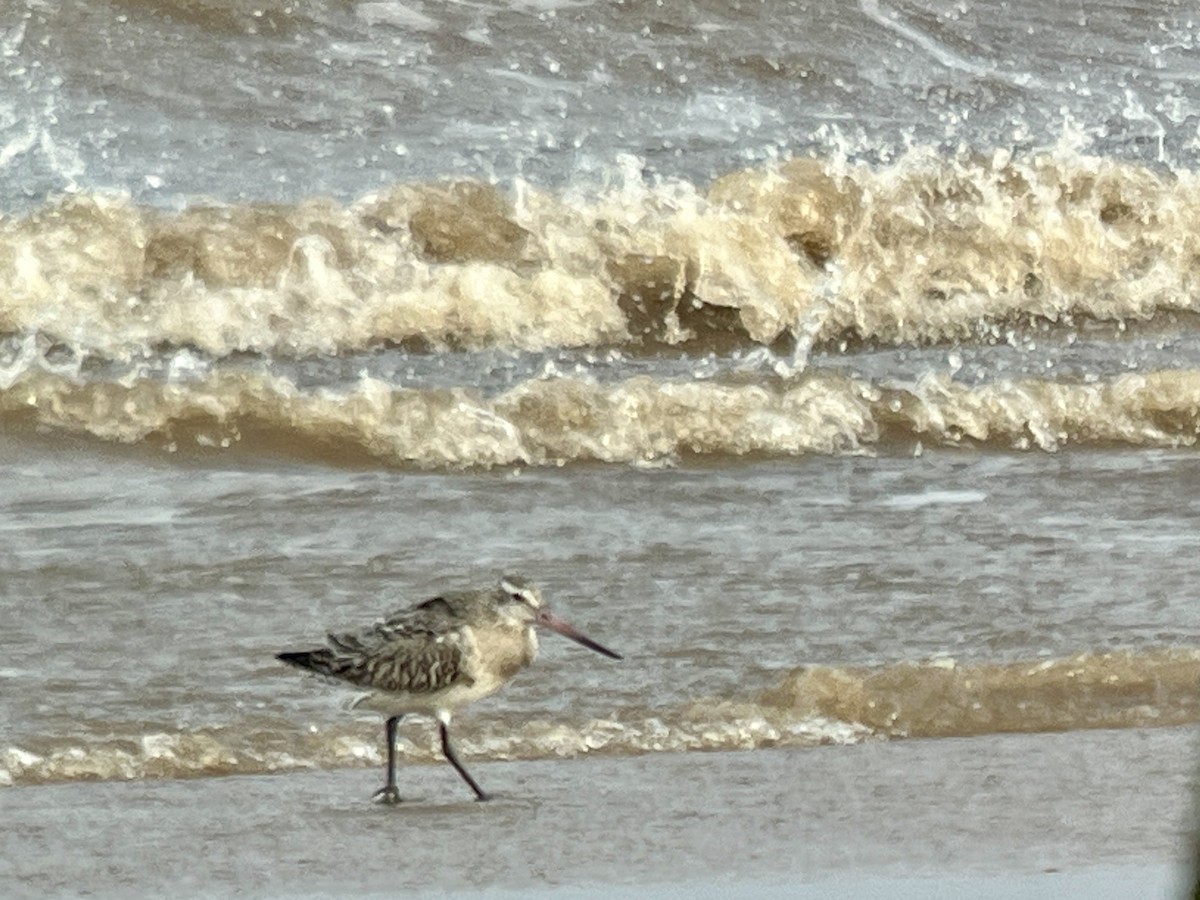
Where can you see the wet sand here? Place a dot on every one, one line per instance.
(1099, 814)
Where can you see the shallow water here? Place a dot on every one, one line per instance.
(153, 595)
(838, 364)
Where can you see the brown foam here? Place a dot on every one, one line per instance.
(927, 249)
(944, 699)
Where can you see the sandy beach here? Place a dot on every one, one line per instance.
(996, 816)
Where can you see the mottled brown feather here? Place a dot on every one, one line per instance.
(417, 650)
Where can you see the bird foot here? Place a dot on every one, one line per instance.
(387, 794)
(482, 797)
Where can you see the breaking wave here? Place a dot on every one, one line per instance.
(810, 705)
(638, 420)
(927, 249)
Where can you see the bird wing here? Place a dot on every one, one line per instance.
(422, 649)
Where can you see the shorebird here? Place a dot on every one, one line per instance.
(438, 655)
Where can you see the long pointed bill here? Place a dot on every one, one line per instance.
(554, 623)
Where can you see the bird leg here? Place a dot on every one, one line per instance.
(388, 793)
(458, 767)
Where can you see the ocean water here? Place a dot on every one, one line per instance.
(838, 363)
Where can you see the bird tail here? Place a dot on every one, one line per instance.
(319, 660)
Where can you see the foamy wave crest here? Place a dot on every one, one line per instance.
(944, 699)
(555, 421)
(165, 754)
(928, 249)
(230, 751)
(104, 276)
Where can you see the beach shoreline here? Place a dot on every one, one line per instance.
(1005, 815)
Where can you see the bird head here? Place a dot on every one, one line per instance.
(525, 601)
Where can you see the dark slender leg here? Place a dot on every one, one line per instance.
(388, 793)
(449, 752)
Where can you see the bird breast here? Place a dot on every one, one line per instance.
(503, 652)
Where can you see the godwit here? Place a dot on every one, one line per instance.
(438, 655)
